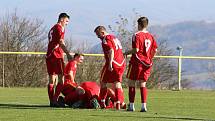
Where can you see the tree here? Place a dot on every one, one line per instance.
(23, 34)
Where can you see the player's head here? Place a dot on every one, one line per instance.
(63, 19)
(142, 23)
(100, 31)
(79, 57)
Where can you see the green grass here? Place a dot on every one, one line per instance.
(31, 104)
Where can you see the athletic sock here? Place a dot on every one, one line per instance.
(143, 92)
(51, 91)
(119, 94)
(57, 91)
(131, 94)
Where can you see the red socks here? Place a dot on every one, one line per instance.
(51, 91)
(131, 94)
(119, 94)
(143, 92)
(57, 91)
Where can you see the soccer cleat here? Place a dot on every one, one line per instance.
(61, 101)
(117, 106)
(143, 110)
(130, 109)
(123, 106)
(51, 104)
(54, 104)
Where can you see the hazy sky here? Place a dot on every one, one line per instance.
(86, 14)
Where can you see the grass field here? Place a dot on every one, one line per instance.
(31, 104)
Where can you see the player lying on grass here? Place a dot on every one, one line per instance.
(90, 98)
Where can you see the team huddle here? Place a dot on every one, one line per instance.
(89, 94)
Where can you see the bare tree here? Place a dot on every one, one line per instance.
(23, 34)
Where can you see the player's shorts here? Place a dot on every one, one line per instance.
(55, 66)
(112, 76)
(138, 72)
(68, 88)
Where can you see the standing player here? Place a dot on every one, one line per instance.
(54, 57)
(144, 48)
(114, 67)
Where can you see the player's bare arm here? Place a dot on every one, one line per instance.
(71, 76)
(132, 51)
(62, 45)
(111, 56)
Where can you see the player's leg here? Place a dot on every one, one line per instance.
(119, 94)
(143, 92)
(51, 82)
(52, 79)
(103, 94)
(59, 70)
(59, 88)
(131, 95)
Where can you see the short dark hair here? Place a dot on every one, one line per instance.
(78, 55)
(63, 15)
(99, 28)
(143, 22)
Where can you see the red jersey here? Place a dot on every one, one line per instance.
(110, 42)
(146, 44)
(55, 35)
(71, 66)
(92, 89)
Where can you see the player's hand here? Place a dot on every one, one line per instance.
(69, 57)
(125, 55)
(110, 68)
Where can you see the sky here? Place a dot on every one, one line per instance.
(87, 14)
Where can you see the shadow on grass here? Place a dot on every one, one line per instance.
(157, 117)
(23, 106)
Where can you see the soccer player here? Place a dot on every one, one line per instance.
(143, 50)
(114, 67)
(70, 89)
(54, 57)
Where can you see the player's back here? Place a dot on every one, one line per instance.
(145, 42)
(91, 88)
(55, 34)
(115, 44)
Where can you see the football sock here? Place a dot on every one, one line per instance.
(143, 92)
(51, 91)
(57, 91)
(119, 94)
(131, 94)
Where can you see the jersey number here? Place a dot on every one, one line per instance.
(147, 44)
(50, 35)
(117, 44)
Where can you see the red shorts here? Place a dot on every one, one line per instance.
(55, 66)
(138, 72)
(112, 76)
(68, 88)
